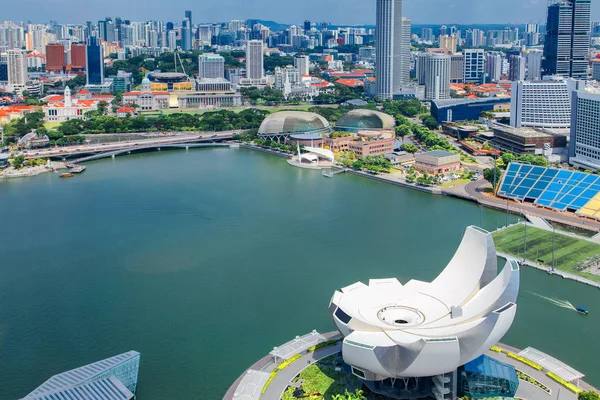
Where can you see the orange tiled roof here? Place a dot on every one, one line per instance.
(350, 82)
(125, 109)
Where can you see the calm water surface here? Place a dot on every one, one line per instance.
(204, 260)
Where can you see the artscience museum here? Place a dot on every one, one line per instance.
(429, 338)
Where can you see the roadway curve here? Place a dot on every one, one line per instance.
(474, 191)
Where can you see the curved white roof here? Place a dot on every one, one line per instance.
(290, 122)
(328, 154)
(425, 329)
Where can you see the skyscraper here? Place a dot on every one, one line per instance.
(78, 56)
(534, 65)
(55, 57)
(388, 46)
(493, 66)
(307, 26)
(474, 65)
(585, 129)
(188, 15)
(186, 35)
(567, 39)
(302, 62)
(94, 65)
(516, 71)
(433, 71)
(211, 66)
(17, 69)
(254, 60)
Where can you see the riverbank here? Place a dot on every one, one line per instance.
(25, 172)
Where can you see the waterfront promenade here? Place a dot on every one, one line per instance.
(281, 379)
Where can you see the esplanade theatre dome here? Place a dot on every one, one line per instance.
(365, 119)
(285, 123)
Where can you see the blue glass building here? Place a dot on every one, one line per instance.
(94, 64)
(485, 377)
(452, 110)
(113, 378)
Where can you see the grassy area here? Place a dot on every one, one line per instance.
(568, 251)
(322, 381)
(51, 125)
(455, 183)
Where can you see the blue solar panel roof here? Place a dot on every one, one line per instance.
(558, 189)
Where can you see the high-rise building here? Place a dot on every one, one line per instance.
(585, 129)
(433, 71)
(427, 34)
(55, 57)
(17, 69)
(388, 46)
(567, 42)
(534, 65)
(254, 60)
(449, 43)
(186, 35)
(457, 68)
(172, 40)
(307, 26)
(596, 69)
(474, 65)
(516, 70)
(493, 66)
(402, 64)
(188, 16)
(542, 104)
(302, 63)
(94, 66)
(211, 66)
(3, 71)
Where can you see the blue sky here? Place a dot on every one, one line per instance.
(285, 11)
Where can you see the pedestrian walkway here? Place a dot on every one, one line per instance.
(538, 222)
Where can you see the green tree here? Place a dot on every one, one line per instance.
(591, 395)
(357, 395)
(508, 157)
(410, 148)
(18, 161)
(493, 175)
(429, 121)
(402, 131)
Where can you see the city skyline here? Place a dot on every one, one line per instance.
(356, 13)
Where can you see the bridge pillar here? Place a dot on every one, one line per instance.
(113, 156)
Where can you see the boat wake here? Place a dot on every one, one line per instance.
(557, 302)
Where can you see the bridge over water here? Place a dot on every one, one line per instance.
(141, 149)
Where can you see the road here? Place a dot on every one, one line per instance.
(167, 139)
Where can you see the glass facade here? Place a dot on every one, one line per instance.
(94, 62)
(486, 377)
(123, 367)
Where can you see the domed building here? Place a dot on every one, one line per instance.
(283, 124)
(359, 120)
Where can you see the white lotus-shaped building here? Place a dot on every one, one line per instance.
(424, 329)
